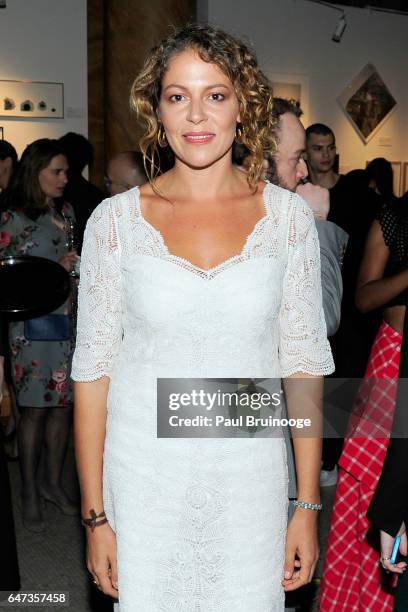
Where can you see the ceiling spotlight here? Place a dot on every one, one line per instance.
(340, 27)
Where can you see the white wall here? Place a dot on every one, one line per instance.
(45, 40)
(294, 36)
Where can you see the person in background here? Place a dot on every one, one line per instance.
(35, 223)
(353, 579)
(381, 178)
(321, 155)
(9, 570)
(353, 207)
(125, 170)
(83, 195)
(388, 510)
(288, 169)
(8, 165)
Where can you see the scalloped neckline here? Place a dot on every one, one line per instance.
(186, 263)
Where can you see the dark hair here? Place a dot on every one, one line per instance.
(320, 129)
(134, 159)
(7, 150)
(78, 151)
(380, 171)
(25, 193)
(282, 106)
(239, 153)
(237, 61)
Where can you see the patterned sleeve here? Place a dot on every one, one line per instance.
(389, 223)
(99, 326)
(12, 234)
(303, 344)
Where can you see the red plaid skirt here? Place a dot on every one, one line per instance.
(352, 578)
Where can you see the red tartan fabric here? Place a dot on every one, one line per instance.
(352, 579)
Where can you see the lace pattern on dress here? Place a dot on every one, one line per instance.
(195, 573)
(117, 231)
(254, 244)
(303, 345)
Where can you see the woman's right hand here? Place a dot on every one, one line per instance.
(102, 559)
(68, 260)
(387, 544)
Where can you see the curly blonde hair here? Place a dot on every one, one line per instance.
(238, 62)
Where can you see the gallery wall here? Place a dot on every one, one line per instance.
(45, 40)
(293, 37)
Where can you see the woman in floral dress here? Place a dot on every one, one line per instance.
(36, 223)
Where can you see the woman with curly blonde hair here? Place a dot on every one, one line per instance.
(202, 272)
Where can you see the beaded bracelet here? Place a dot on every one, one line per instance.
(306, 505)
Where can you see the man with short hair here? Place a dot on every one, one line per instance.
(321, 155)
(288, 169)
(125, 170)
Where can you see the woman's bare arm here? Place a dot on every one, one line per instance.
(304, 396)
(89, 430)
(373, 291)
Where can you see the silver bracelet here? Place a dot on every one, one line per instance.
(306, 505)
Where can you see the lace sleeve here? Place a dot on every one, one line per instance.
(303, 344)
(99, 326)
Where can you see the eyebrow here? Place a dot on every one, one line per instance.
(185, 88)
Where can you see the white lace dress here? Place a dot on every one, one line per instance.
(200, 523)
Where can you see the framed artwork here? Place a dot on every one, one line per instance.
(397, 175)
(367, 103)
(294, 87)
(1, 133)
(404, 186)
(32, 99)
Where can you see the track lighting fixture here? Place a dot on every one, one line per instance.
(340, 27)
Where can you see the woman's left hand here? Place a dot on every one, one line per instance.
(387, 544)
(301, 542)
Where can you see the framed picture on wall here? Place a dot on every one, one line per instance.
(31, 99)
(404, 186)
(397, 171)
(294, 87)
(367, 103)
(1, 133)
(397, 177)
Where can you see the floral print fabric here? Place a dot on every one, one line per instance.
(40, 370)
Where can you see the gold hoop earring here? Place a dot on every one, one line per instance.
(239, 134)
(161, 138)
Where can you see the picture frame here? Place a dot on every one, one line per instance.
(292, 87)
(404, 184)
(31, 99)
(397, 173)
(367, 103)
